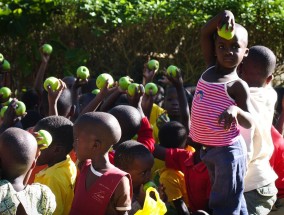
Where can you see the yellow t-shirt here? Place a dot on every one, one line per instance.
(60, 178)
(174, 184)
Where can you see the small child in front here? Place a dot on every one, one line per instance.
(221, 101)
(18, 154)
(101, 187)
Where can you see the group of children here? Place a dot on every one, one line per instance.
(221, 154)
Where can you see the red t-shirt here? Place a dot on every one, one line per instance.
(196, 177)
(277, 160)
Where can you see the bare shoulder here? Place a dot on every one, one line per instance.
(238, 88)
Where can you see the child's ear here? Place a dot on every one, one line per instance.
(246, 52)
(269, 79)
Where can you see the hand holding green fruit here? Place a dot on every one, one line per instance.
(153, 65)
(132, 88)
(225, 33)
(83, 73)
(20, 108)
(47, 49)
(172, 71)
(102, 80)
(44, 140)
(124, 82)
(53, 82)
(151, 88)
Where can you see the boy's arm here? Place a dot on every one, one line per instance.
(111, 99)
(280, 121)
(53, 97)
(40, 74)
(239, 91)
(207, 35)
(183, 104)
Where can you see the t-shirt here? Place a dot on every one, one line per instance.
(36, 199)
(196, 177)
(111, 192)
(173, 181)
(60, 178)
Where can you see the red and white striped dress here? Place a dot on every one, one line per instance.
(210, 100)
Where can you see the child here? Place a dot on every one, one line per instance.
(220, 100)
(101, 187)
(260, 190)
(60, 175)
(135, 159)
(18, 154)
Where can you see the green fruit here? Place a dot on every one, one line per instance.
(53, 82)
(46, 139)
(124, 82)
(6, 65)
(20, 108)
(96, 91)
(226, 34)
(5, 92)
(3, 110)
(149, 184)
(47, 49)
(172, 71)
(1, 58)
(6, 103)
(151, 86)
(153, 65)
(102, 78)
(131, 90)
(83, 72)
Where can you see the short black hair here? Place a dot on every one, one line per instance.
(60, 128)
(31, 99)
(64, 102)
(85, 99)
(127, 152)
(265, 59)
(129, 119)
(172, 135)
(30, 119)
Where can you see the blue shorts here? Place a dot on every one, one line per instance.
(227, 167)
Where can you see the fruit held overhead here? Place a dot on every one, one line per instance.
(1, 58)
(102, 79)
(124, 82)
(131, 90)
(83, 72)
(6, 66)
(151, 87)
(52, 82)
(20, 108)
(225, 33)
(172, 71)
(153, 65)
(5, 92)
(46, 139)
(47, 49)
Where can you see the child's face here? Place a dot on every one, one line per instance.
(140, 170)
(82, 145)
(171, 103)
(46, 155)
(230, 52)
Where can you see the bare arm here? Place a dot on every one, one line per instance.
(53, 97)
(280, 121)
(207, 35)
(38, 83)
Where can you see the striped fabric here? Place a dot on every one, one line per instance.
(209, 101)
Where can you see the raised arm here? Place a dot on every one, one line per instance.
(38, 83)
(207, 35)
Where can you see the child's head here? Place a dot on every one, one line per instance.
(258, 66)
(18, 152)
(84, 100)
(129, 119)
(31, 99)
(230, 53)
(171, 103)
(69, 81)
(64, 103)
(94, 134)
(30, 119)
(173, 135)
(134, 158)
(61, 130)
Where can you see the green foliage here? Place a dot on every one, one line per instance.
(115, 36)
